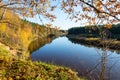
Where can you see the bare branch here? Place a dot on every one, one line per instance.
(39, 17)
(5, 5)
(1, 0)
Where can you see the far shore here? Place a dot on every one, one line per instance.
(98, 42)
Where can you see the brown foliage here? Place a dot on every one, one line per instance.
(94, 11)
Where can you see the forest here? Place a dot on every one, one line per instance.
(96, 31)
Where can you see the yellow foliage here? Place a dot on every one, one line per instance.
(25, 35)
(108, 26)
(86, 9)
(19, 33)
(11, 17)
(97, 3)
(2, 27)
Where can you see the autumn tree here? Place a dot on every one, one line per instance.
(27, 8)
(92, 11)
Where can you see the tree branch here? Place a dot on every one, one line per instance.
(39, 17)
(9, 4)
(0, 0)
(5, 21)
(98, 11)
(2, 14)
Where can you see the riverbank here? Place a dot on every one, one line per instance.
(15, 68)
(98, 42)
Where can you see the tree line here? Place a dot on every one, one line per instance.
(96, 31)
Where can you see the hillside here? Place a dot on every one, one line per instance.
(18, 33)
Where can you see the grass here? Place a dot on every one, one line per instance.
(92, 39)
(19, 69)
(4, 52)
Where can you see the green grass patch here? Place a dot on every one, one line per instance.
(27, 70)
(92, 39)
(4, 52)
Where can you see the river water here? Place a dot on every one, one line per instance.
(89, 61)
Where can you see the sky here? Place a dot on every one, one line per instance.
(61, 21)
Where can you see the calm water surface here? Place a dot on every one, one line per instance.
(87, 61)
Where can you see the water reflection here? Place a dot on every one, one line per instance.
(105, 70)
(40, 42)
(93, 62)
(81, 42)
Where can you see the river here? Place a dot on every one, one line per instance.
(88, 61)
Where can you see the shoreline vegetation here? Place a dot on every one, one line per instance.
(98, 42)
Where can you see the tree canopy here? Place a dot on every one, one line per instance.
(92, 11)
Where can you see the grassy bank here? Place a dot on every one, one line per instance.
(12, 68)
(98, 42)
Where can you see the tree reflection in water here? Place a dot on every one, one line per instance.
(38, 43)
(102, 69)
